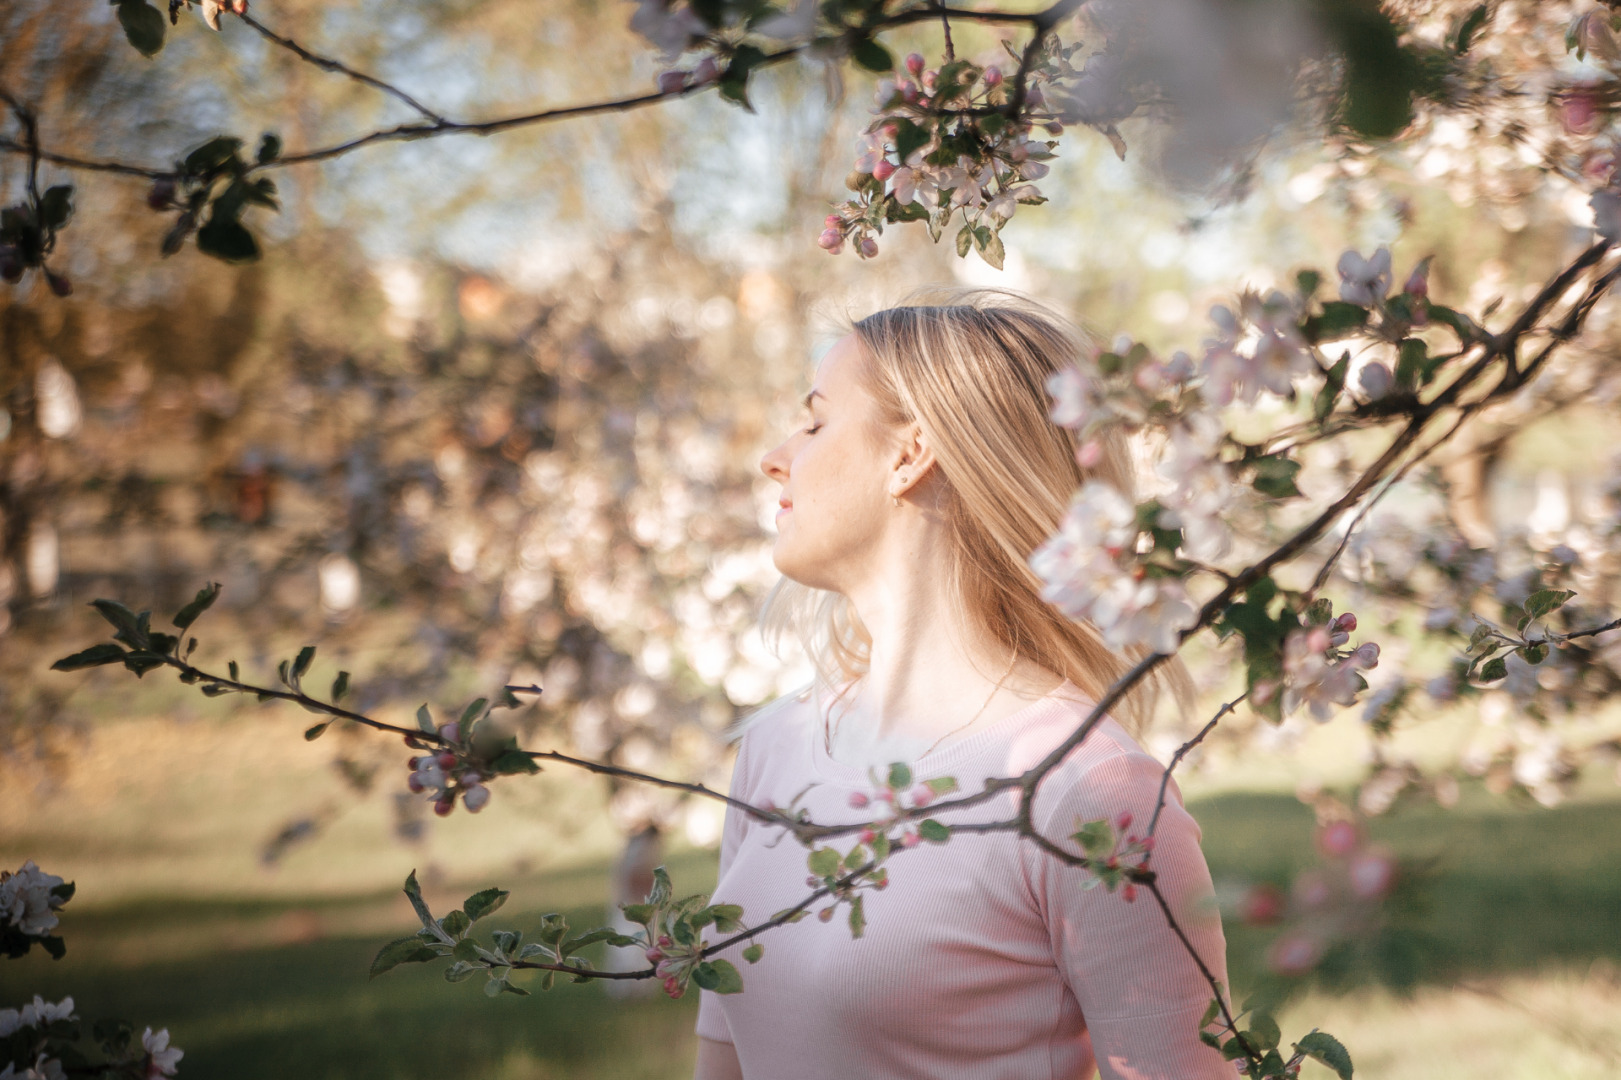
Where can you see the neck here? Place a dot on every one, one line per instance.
(932, 666)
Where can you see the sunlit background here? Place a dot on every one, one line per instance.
(489, 411)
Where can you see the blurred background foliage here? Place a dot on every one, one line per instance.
(489, 410)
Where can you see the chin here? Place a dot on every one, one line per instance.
(792, 565)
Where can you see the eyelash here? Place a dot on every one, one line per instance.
(813, 429)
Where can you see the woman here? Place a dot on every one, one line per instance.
(926, 473)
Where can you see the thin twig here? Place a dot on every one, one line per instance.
(328, 64)
(1182, 752)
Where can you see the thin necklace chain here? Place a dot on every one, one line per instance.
(827, 730)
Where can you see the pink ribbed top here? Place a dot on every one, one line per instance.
(984, 958)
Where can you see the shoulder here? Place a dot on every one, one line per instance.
(1109, 773)
(777, 722)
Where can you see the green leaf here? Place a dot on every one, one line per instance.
(992, 251)
(484, 902)
(514, 761)
(236, 672)
(823, 862)
(1546, 601)
(413, 892)
(456, 923)
(872, 56)
(425, 720)
(1333, 383)
(494, 987)
(200, 603)
(1308, 281)
(718, 977)
(340, 686)
(94, 656)
(410, 950)
(269, 148)
(1494, 669)
(900, 776)
(212, 154)
(1534, 654)
(1211, 1012)
(931, 830)
(125, 621)
(462, 970)
(1411, 359)
(143, 26)
(728, 917)
(965, 240)
(315, 732)
(1095, 837)
(471, 712)
(612, 937)
(661, 887)
(1210, 1040)
(942, 785)
(1464, 39)
(306, 657)
(466, 950)
(1263, 1031)
(64, 892)
(227, 241)
(858, 917)
(753, 953)
(56, 206)
(909, 138)
(1275, 476)
(639, 913)
(1328, 1050)
(1337, 317)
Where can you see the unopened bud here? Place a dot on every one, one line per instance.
(868, 247)
(1129, 892)
(914, 64)
(444, 805)
(826, 914)
(883, 170)
(671, 82)
(993, 76)
(1366, 655)
(1123, 822)
(1375, 380)
(859, 799)
(707, 71)
(1346, 621)
(831, 240)
(475, 798)
(451, 732)
(922, 795)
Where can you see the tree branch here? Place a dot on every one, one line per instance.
(337, 66)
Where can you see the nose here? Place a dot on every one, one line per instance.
(775, 463)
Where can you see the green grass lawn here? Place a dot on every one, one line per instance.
(1521, 898)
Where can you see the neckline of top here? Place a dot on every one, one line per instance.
(942, 761)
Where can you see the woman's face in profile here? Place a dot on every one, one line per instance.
(835, 477)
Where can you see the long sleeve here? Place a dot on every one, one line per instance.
(1141, 995)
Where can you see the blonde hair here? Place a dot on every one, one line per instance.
(970, 369)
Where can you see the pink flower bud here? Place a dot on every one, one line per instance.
(1123, 822)
(832, 221)
(451, 732)
(993, 76)
(914, 64)
(1338, 838)
(1372, 874)
(664, 968)
(890, 131)
(654, 955)
(859, 799)
(868, 247)
(1366, 655)
(1293, 954)
(1346, 622)
(444, 805)
(930, 80)
(707, 71)
(1148, 843)
(664, 941)
(1418, 282)
(1053, 127)
(1129, 892)
(673, 987)
(446, 760)
(825, 915)
(1262, 906)
(1317, 640)
(910, 839)
(812, 881)
(922, 795)
(831, 240)
(671, 82)
(1089, 454)
(1579, 111)
(475, 798)
(883, 170)
(414, 782)
(866, 836)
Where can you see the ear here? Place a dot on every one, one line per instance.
(912, 463)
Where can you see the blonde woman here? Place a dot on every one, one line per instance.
(924, 475)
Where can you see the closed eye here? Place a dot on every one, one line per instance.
(813, 429)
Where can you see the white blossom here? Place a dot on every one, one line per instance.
(163, 1058)
(1364, 281)
(670, 28)
(1313, 680)
(1258, 348)
(1201, 490)
(26, 899)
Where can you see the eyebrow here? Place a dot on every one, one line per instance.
(814, 394)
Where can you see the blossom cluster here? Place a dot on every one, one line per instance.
(29, 899)
(945, 140)
(1318, 673)
(448, 773)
